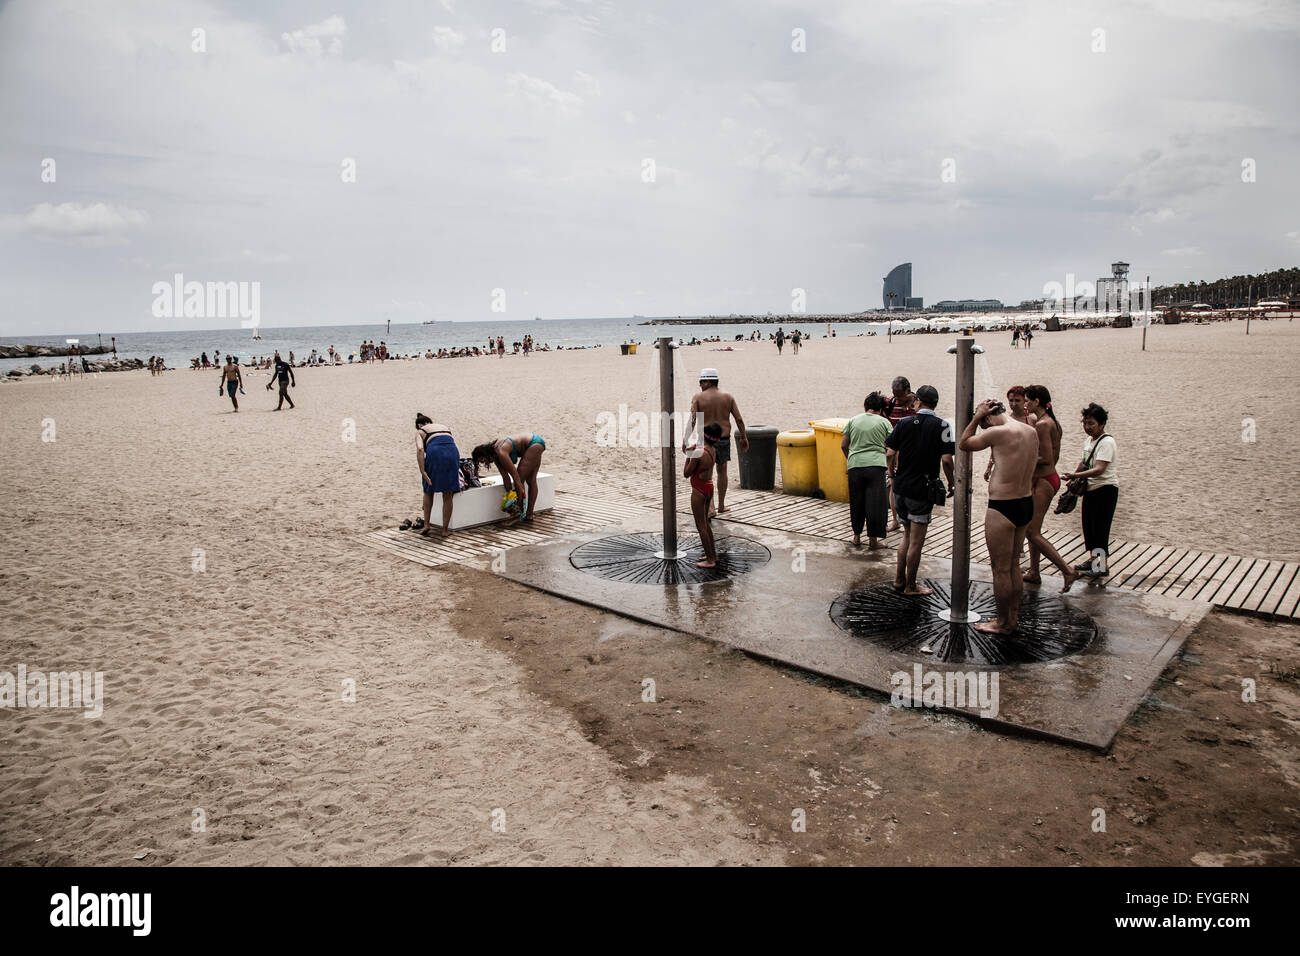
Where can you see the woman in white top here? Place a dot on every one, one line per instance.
(1098, 506)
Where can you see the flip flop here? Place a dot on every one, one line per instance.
(405, 525)
(419, 523)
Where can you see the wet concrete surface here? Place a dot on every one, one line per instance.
(781, 610)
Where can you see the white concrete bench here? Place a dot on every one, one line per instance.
(476, 506)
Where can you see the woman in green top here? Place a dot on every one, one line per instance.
(864, 448)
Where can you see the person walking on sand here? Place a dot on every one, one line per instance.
(715, 406)
(439, 462)
(780, 339)
(283, 374)
(914, 452)
(1015, 336)
(501, 346)
(699, 469)
(864, 451)
(518, 458)
(1038, 407)
(1011, 504)
(231, 379)
(1098, 466)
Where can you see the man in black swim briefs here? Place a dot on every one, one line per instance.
(1011, 504)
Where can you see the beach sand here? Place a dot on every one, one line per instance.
(223, 686)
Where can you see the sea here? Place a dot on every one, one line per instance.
(178, 347)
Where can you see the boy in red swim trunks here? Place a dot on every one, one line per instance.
(699, 469)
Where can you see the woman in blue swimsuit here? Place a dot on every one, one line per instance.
(519, 459)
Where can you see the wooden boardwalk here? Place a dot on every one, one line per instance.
(1248, 585)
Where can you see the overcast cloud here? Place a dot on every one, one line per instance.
(524, 169)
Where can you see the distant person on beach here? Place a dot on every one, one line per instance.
(1016, 411)
(231, 379)
(501, 346)
(780, 339)
(915, 450)
(518, 458)
(439, 462)
(864, 451)
(1015, 336)
(1102, 494)
(1028, 337)
(283, 374)
(795, 338)
(1038, 407)
(204, 359)
(901, 404)
(699, 469)
(711, 405)
(1011, 504)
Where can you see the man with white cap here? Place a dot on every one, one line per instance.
(714, 405)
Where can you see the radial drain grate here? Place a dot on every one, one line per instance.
(637, 559)
(1049, 628)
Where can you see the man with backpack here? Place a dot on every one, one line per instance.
(914, 452)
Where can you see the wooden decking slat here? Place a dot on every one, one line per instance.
(1271, 587)
(1148, 564)
(1230, 566)
(1214, 564)
(1290, 600)
(1241, 589)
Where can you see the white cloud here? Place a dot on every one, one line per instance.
(447, 39)
(539, 91)
(324, 38)
(586, 84)
(1182, 251)
(90, 223)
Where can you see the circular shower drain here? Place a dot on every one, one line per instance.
(638, 559)
(1049, 628)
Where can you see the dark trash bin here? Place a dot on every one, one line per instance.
(758, 465)
(623, 348)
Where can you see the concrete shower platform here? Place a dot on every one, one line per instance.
(781, 610)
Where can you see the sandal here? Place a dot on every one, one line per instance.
(405, 525)
(419, 523)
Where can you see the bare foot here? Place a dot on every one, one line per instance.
(425, 532)
(993, 627)
(445, 532)
(917, 591)
(873, 545)
(706, 563)
(895, 527)
(721, 510)
(899, 585)
(1032, 577)
(1070, 576)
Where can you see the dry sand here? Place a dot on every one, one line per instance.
(223, 686)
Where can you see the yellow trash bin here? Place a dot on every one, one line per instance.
(632, 349)
(832, 466)
(797, 450)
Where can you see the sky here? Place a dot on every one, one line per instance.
(452, 160)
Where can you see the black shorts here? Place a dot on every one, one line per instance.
(1019, 511)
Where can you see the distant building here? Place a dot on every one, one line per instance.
(968, 305)
(898, 282)
(1112, 291)
(914, 303)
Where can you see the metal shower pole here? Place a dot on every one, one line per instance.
(959, 612)
(668, 452)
